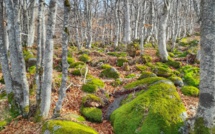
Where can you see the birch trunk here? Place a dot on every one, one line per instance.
(143, 29)
(206, 108)
(48, 61)
(65, 39)
(162, 31)
(127, 27)
(117, 24)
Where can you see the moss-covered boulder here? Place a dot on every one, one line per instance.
(84, 58)
(73, 117)
(190, 90)
(153, 111)
(142, 67)
(121, 61)
(92, 100)
(177, 81)
(92, 114)
(70, 60)
(105, 66)
(162, 71)
(92, 84)
(172, 63)
(110, 73)
(145, 59)
(77, 64)
(2, 124)
(146, 74)
(66, 127)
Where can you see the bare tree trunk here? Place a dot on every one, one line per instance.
(32, 15)
(143, 29)
(205, 114)
(65, 39)
(117, 24)
(48, 61)
(127, 25)
(88, 13)
(162, 31)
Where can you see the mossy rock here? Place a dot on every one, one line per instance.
(147, 81)
(76, 64)
(105, 66)
(172, 63)
(92, 114)
(27, 54)
(118, 54)
(190, 90)
(200, 128)
(142, 67)
(110, 73)
(73, 117)
(92, 85)
(76, 72)
(92, 100)
(177, 81)
(146, 74)
(161, 71)
(2, 124)
(131, 76)
(66, 127)
(157, 110)
(121, 61)
(84, 52)
(145, 59)
(117, 82)
(84, 58)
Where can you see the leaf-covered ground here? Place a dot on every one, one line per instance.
(74, 95)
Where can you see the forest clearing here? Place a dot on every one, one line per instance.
(107, 67)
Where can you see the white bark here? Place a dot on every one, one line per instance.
(32, 24)
(48, 61)
(127, 27)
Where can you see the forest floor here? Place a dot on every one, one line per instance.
(74, 96)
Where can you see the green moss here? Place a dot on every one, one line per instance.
(92, 85)
(2, 80)
(176, 80)
(162, 71)
(105, 66)
(146, 75)
(92, 114)
(146, 81)
(27, 55)
(66, 127)
(141, 67)
(73, 117)
(118, 54)
(76, 72)
(131, 76)
(146, 58)
(70, 60)
(117, 82)
(84, 58)
(91, 97)
(14, 109)
(2, 124)
(3, 95)
(190, 90)
(110, 73)
(157, 110)
(200, 128)
(32, 70)
(121, 61)
(76, 64)
(171, 54)
(172, 63)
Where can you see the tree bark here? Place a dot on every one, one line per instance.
(65, 39)
(207, 66)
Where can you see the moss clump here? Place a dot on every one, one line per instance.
(121, 61)
(84, 58)
(190, 75)
(146, 81)
(32, 70)
(66, 127)
(190, 90)
(161, 71)
(118, 54)
(110, 73)
(76, 72)
(70, 60)
(172, 63)
(90, 98)
(117, 82)
(2, 124)
(154, 111)
(200, 128)
(2, 80)
(131, 76)
(146, 59)
(3, 95)
(92, 114)
(105, 66)
(146, 75)
(92, 85)
(76, 64)
(141, 67)
(27, 55)
(177, 81)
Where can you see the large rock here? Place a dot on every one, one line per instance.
(110, 73)
(66, 127)
(156, 110)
